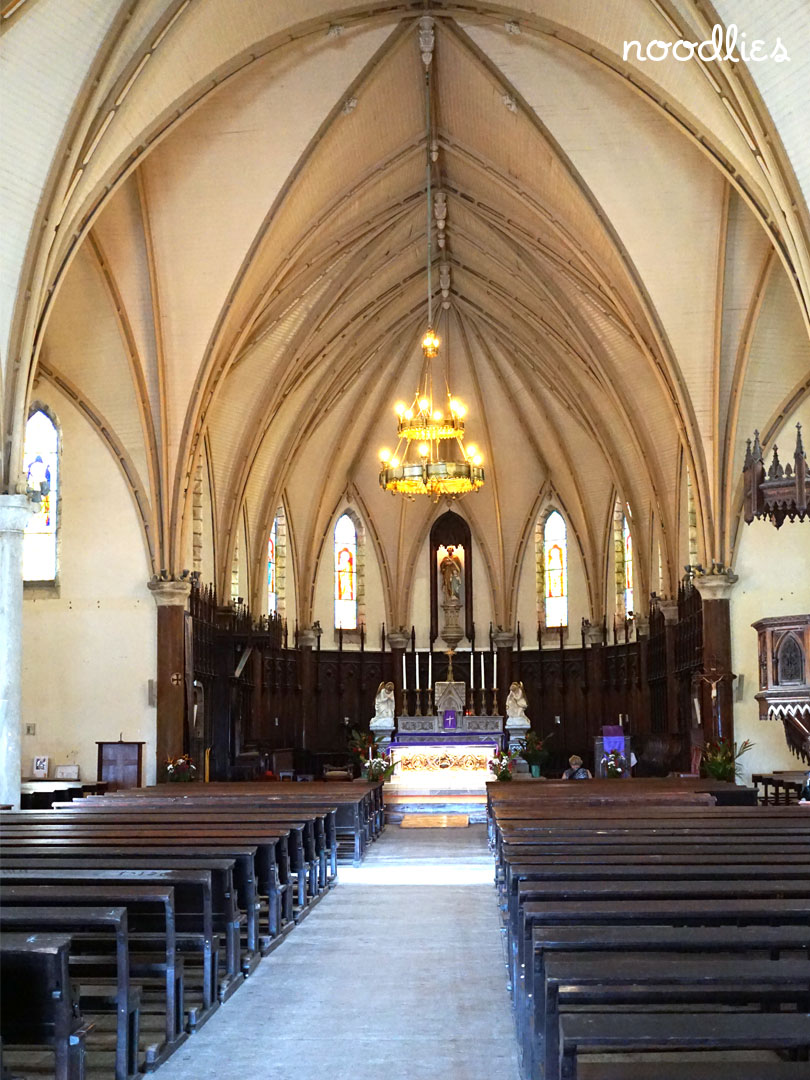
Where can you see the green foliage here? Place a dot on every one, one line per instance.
(533, 751)
(720, 759)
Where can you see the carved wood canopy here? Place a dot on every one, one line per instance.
(784, 677)
(783, 491)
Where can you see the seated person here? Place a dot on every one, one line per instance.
(577, 770)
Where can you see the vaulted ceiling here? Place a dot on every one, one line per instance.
(230, 262)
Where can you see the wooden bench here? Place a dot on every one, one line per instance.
(88, 920)
(622, 1031)
(770, 942)
(196, 928)
(150, 911)
(38, 1007)
(605, 980)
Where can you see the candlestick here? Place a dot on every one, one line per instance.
(416, 661)
(404, 673)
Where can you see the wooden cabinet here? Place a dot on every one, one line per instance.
(119, 763)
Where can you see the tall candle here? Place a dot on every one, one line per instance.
(472, 669)
(404, 673)
(430, 669)
(416, 661)
(494, 672)
(483, 677)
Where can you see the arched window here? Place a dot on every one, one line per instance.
(277, 565)
(272, 593)
(627, 547)
(345, 573)
(41, 464)
(555, 570)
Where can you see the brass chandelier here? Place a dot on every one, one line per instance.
(431, 457)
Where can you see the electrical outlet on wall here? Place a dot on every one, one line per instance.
(30, 729)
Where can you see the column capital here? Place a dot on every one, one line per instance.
(171, 592)
(398, 639)
(642, 624)
(504, 639)
(15, 510)
(308, 636)
(668, 608)
(715, 585)
(593, 633)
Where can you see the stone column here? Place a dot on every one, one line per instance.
(399, 641)
(171, 597)
(307, 644)
(14, 513)
(717, 699)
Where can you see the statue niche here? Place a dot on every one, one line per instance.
(451, 600)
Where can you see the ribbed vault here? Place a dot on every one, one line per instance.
(240, 266)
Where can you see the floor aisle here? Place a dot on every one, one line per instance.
(383, 980)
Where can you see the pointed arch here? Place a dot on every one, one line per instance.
(552, 569)
(41, 452)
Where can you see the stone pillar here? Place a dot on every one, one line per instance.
(14, 513)
(171, 597)
(717, 699)
(399, 641)
(308, 637)
(504, 644)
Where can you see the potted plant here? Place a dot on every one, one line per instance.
(503, 764)
(720, 759)
(534, 752)
(378, 768)
(370, 758)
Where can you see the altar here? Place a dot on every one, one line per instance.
(447, 753)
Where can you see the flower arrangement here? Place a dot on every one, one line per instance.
(614, 764)
(379, 768)
(180, 769)
(720, 759)
(370, 758)
(503, 764)
(534, 751)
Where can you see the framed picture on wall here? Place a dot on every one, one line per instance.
(66, 772)
(39, 769)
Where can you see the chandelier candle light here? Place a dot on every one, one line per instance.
(431, 457)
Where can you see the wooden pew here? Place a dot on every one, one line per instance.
(194, 912)
(143, 850)
(612, 1031)
(599, 979)
(141, 902)
(770, 942)
(38, 1007)
(87, 920)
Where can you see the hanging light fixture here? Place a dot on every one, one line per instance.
(431, 457)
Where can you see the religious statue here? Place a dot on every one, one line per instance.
(450, 568)
(516, 702)
(384, 700)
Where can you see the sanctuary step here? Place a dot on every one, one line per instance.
(435, 803)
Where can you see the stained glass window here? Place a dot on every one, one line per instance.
(345, 573)
(40, 462)
(627, 541)
(272, 592)
(555, 561)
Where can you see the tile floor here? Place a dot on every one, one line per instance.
(392, 976)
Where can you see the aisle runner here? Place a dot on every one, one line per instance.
(435, 821)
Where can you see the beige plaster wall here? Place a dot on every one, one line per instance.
(774, 571)
(88, 654)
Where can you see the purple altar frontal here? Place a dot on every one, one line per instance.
(469, 738)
